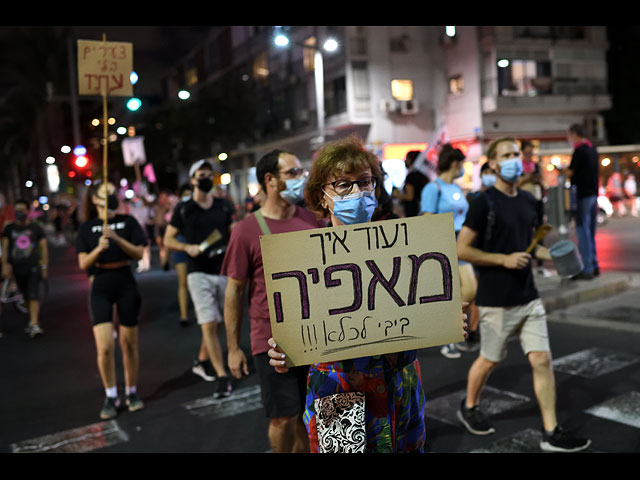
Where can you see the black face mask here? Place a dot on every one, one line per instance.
(112, 202)
(21, 216)
(205, 184)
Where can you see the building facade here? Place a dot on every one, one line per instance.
(398, 86)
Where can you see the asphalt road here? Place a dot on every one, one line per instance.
(51, 391)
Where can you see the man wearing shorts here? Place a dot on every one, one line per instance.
(283, 395)
(503, 220)
(196, 220)
(26, 256)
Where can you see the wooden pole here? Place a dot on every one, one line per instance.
(105, 130)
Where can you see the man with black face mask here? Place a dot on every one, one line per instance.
(25, 254)
(204, 222)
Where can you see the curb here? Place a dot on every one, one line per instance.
(565, 294)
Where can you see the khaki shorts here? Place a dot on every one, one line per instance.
(207, 295)
(527, 322)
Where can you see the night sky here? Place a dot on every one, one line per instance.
(155, 48)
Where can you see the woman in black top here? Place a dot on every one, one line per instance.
(106, 256)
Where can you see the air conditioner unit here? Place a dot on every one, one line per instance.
(409, 107)
(388, 106)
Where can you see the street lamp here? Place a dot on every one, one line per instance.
(330, 45)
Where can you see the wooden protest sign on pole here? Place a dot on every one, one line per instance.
(360, 290)
(104, 68)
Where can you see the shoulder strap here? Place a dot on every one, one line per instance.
(439, 195)
(262, 222)
(491, 220)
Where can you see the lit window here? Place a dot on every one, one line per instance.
(456, 85)
(524, 77)
(260, 66)
(191, 76)
(402, 90)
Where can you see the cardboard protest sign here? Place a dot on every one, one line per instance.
(359, 290)
(104, 68)
(133, 152)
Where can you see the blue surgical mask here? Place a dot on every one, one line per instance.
(294, 192)
(354, 208)
(488, 179)
(510, 170)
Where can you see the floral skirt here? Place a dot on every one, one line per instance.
(394, 402)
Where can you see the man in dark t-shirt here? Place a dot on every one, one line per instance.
(204, 222)
(584, 174)
(25, 254)
(502, 220)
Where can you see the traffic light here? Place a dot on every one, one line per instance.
(81, 161)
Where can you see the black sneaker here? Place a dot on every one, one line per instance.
(474, 420)
(223, 388)
(561, 441)
(204, 370)
(470, 344)
(110, 408)
(134, 403)
(583, 276)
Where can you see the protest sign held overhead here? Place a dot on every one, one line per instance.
(368, 289)
(104, 68)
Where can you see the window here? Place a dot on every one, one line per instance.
(260, 67)
(524, 77)
(402, 90)
(456, 85)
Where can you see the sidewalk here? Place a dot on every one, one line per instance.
(559, 293)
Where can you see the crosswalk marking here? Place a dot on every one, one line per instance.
(623, 409)
(492, 402)
(240, 401)
(77, 440)
(594, 362)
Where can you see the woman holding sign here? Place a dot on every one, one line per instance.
(383, 392)
(106, 254)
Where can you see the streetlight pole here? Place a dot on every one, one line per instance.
(318, 75)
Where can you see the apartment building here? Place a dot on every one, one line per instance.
(397, 86)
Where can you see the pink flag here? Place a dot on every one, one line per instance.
(149, 172)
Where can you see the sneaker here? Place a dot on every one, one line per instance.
(450, 351)
(561, 441)
(134, 403)
(583, 276)
(223, 388)
(474, 420)
(34, 330)
(543, 272)
(204, 370)
(470, 344)
(110, 408)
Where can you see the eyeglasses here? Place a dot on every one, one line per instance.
(344, 187)
(293, 172)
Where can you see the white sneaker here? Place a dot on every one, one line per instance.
(450, 351)
(34, 330)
